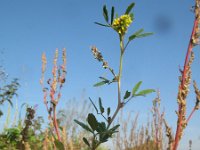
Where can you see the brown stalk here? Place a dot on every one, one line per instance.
(186, 70)
(58, 79)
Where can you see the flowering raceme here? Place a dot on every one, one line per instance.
(122, 23)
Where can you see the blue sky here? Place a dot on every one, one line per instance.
(29, 28)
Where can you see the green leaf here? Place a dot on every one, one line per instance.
(103, 78)
(92, 121)
(132, 16)
(127, 94)
(145, 92)
(84, 126)
(105, 13)
(108, 111)
(129, 8)
(134, 35)
(112, 15)
(139, 34)
(59, 145)
(93, 105)
(101, 127)
(101, 106)
(99, 83)
(144, 35)
(86, 141)
(104, 25)
(1, 113)
(115, 128)
(105, 81)
(136, 87)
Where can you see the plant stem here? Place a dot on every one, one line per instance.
(120, 104)
(184, 74)
(56, 123)
(190, 116)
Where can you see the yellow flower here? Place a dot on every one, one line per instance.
(122, 23)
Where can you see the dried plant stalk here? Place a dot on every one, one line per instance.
(56, 83)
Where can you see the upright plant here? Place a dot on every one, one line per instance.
(183, 89)
(101, 131)
(55, 84)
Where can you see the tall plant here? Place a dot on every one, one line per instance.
(55, 84)
(183, 89)
(102, 131)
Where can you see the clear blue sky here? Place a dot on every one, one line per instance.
(29, 28)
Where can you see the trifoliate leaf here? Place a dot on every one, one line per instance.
(136, 87)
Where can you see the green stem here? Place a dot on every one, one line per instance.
(120, 104)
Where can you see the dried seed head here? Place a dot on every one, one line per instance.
(97, 54)
(44, 62)
(105, 64)
(55, 57)
(64, 58)
(197, 92)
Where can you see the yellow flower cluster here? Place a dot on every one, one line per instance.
(122, 23)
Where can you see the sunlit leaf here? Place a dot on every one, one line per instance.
(136, 87)
(129, 8)
(145, 92)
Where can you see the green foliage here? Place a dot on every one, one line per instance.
(127, 94)
(84, 126)
(136, 88)
(8, 91)
(101, 108)
(105, 13)
(129, 8)
(59, 145)
(103, 82)
(101, 131)
(112, 14)
(140, 93)
(92, 121)
(145, 92)
(139, 34)
(13, 135)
